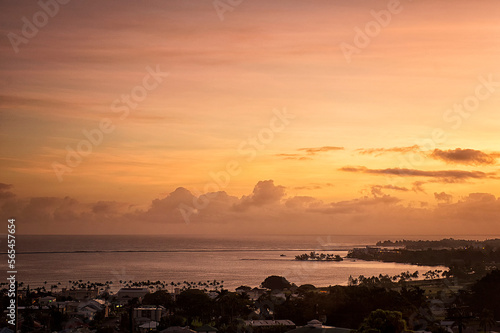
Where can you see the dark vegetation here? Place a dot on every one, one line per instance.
(447, 243)
(469, 257)
(318, 257)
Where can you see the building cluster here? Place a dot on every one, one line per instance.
(82, 306)
(127, 311)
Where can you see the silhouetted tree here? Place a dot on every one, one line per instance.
(275, 282)
(160, 297)
(486, 294)
(486, 320)
(194, 303)
(384, 322)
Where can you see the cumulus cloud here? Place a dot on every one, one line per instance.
(167, 209)
(444, 176)
(355, 206)
(264, 193)
(464, 156)
(476, 211)
(303, 202)
(380, 151)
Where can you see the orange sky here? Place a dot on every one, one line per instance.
(301, 135)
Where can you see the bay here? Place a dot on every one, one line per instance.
(236, 260)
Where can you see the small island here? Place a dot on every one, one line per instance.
(318, 256)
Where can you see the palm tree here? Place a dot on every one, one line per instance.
(459, 315)
(486, 319)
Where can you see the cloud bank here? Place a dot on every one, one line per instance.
(267, 209)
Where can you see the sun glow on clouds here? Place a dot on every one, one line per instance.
(356, 149)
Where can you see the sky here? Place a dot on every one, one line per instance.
(243, 117)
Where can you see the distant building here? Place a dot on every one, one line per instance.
(212, 294)
(80, 294)
(255, 293)
(47, 300)
(131, 293)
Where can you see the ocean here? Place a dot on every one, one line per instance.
(236, 260)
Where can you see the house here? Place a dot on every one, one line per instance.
(150, 312)
(280, 295)
(315, 326)
(148, 326)
(178, 329)
(90, 308)
(87, 312)
(255, 293)
(263, 325)
(447, 324)
(131, 293)
(69, 307)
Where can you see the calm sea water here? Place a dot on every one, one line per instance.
(235, 260)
